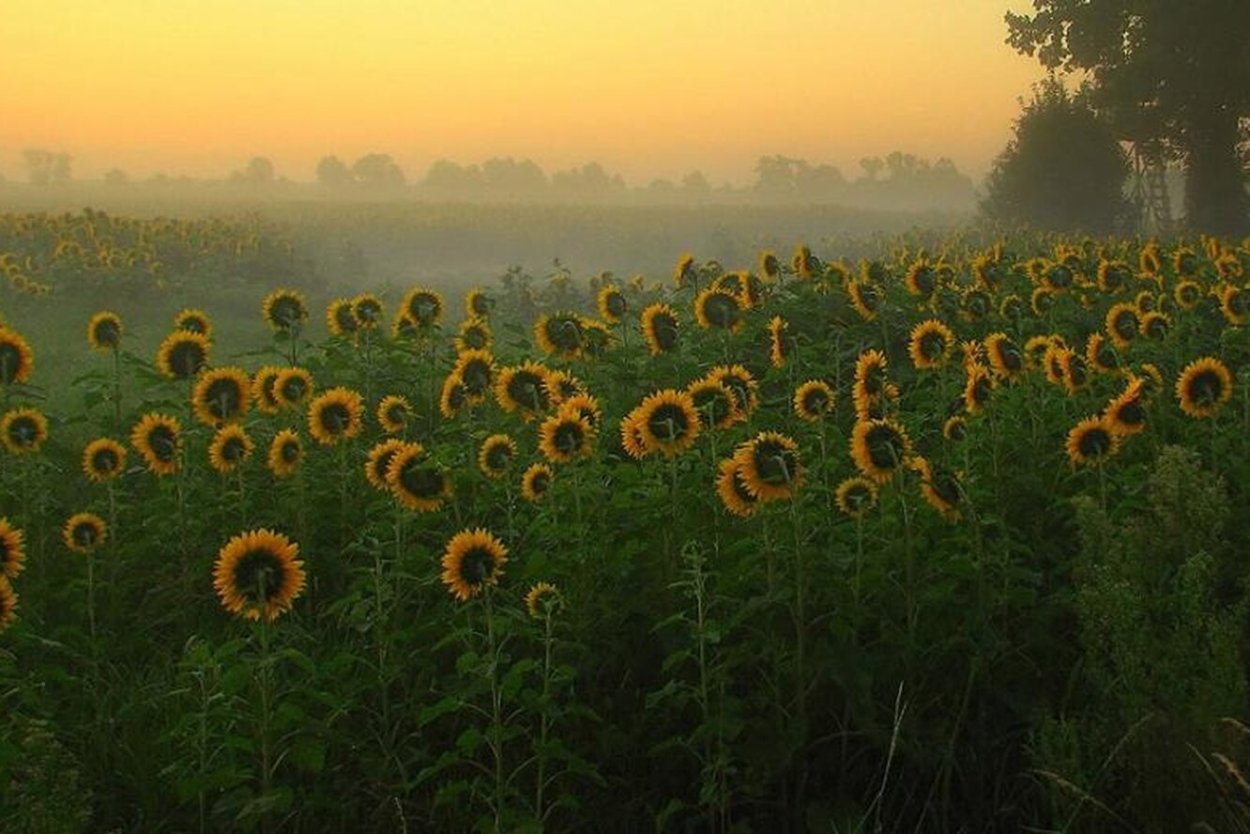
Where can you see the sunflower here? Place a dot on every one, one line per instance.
(341, 317)
(453, 396)
(104, 331)
(564, 436)
(473, 334)
(1041, 300)
(1155, 325)
(668, 422)
(855, 496)
(415, 481)
(1006, 358)
(1185, 262)
(770, 467)
(422, 307)
(258, 574)
(221, 395)
(194, 321)
(335, 415)
(560, 334)
(1113, 276)
(733, 491)
(229, 448)
(1123, 323)
(1092, 440)
(367, 308)
(394, 413)
(476, 369)
(611, 303)
(718, 309)
(1058, 277)
(780, 342)
(1204, 386)
(1187, 295)
(23, 430)
(542, 600)
(84, 532)
(378, 463)
(1052, 361)
(659, 328)
(1151, 378)
(182, 354)
(1235, 304)
(523, 389)
(473, 559)
(921, 279)
(865, 298)
(586, 406)
(975, 303)
(1126, 413)
(1011, 307)
(263, 393)
(157, 437)
(879, 448)
(631, 435)
(743, 385)
(536, 482)
(939, 487)
(12, 550)
(1100, 354)
(813, 400)
(292, 387)
(1149, 260)
(715, 403)
(930, 344)
(285, 454)
(769, 265)
(103, 459)
(955, 428)
(978, 385)
(16, 357)
(685, 270)
(8, 604)
(495, 456)
(284, 310)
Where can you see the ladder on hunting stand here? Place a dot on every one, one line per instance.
(1150, 189)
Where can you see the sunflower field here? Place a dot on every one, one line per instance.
(943, 539)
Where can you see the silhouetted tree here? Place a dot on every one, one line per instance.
(258, 171)
(695, 183)
(44, 166)
(332, 172)
(1062, 170)
(116, 176)
(1169, 71)
(378, 170)
(446, 175)
(508, 176)
(873, 166)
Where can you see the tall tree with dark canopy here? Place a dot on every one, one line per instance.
(1172, 72)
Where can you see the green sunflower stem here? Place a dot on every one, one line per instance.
(544, 721)
(265, 685)
(496, 708)
(800, 658)
(117, 390)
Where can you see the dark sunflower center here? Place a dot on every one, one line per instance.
(294, 388)
(956, 430)
(346, 319)
(1009, 356)
(874, 380)
(258, 575)
(867, 296)
(946, 487)
(1206, 387)
(569, 437)
(1106, 356)
(498, 456)
(664, 331)
(1095, 442)
(923, 280)
(368, 312)
(85, 534)
(1188, 294)
(475, 338)
(565, 333)
(10, 362)
(815, 401)
(1156, 327)
(1059, 276)
(885, 447)
(107, 333)
(104, 461)
(714, 404)
(1239, 302)
(932, 345)
(668, 422)
(186, 359)
(23, 431)
(774, 463)
(1187, 264)
(476, 376)
(193, 324)
(481, 305)
(286, 311)
(422, 481)
(1131, 413)
(615, 304)
(721, 309)
(163, 443)
(223, 398)
(858, 497)
(456, 395)
(477, 566)
(334, 417)
(290, 452)
(1126, 324)
(527, 389)
(1077, 371)
(976, 303)
(539, 483)
(1012, 307)
(233, 450)
(424, 309)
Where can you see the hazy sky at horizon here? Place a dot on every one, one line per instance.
(648, 88)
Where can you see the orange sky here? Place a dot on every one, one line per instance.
(647, 87)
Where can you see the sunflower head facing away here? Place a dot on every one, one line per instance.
(1203, 387)
(394, 412)
(194, 321)
(770, 466)
(158, 439)
(16, 357)
(335, 415)
(182, 354)
(536, 482)
(1091, 441)
(813, 400)
(496, 454)
(84, 532)
(543, 600)
(473, 560)
(378, 463)
(23, 430)
(229, 448)
(285, 454)
(284, 310)
(668, 422)
(879, 448)
(258, 574)
(659, 328)
(12, 550)
(221, 395)
(855, 496)
(104, 331)
(931, 344)
(732, 488)
(715, 403)
(566, 436)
